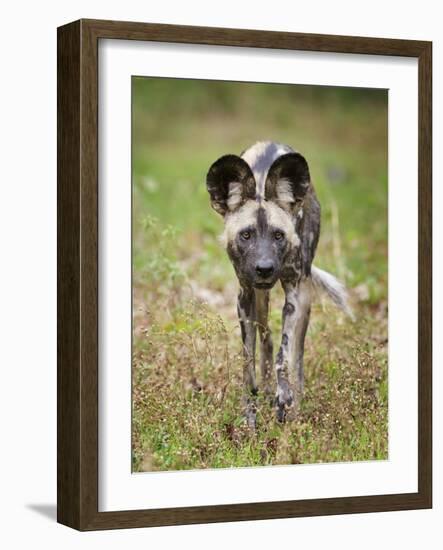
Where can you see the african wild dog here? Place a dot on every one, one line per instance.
(272, 225)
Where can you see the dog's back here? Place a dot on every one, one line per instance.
(260, 158)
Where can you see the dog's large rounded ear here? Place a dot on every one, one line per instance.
(287, 181)
(230, 183)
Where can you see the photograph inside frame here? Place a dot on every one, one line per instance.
(259, 274)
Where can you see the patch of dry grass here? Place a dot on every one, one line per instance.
(187, 390)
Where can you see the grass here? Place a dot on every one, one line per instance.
(186, 342)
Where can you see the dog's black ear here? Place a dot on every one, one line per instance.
(230, 183)
(287, 181)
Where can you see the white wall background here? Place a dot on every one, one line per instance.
(28, 271)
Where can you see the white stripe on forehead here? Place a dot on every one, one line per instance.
(260, 158)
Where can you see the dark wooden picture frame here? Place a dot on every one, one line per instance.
(77, 173)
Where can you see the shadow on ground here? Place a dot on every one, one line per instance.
(48, 511)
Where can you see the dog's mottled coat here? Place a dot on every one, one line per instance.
(272, 226)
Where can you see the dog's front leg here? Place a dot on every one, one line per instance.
(290, 355)
(246, 309)
(266, 353)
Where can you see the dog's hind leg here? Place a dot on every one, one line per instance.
(266, 348)
(301, 326)
(290, 355)
(246, 309)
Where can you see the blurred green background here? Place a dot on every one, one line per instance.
(179, 128)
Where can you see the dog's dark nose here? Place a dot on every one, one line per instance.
(265, 268)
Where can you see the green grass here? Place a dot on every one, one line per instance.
(186, 352)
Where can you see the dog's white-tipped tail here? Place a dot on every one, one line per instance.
(331, 286)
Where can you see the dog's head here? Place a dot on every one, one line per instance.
(260, 224)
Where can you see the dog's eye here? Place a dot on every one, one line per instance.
(278, 235)
(246, 235)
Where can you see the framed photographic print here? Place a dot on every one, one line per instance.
(244, 274)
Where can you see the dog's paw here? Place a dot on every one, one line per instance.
(284, 401)
(250, 416)
(251, 420)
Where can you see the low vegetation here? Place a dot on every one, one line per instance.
(186, 343)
